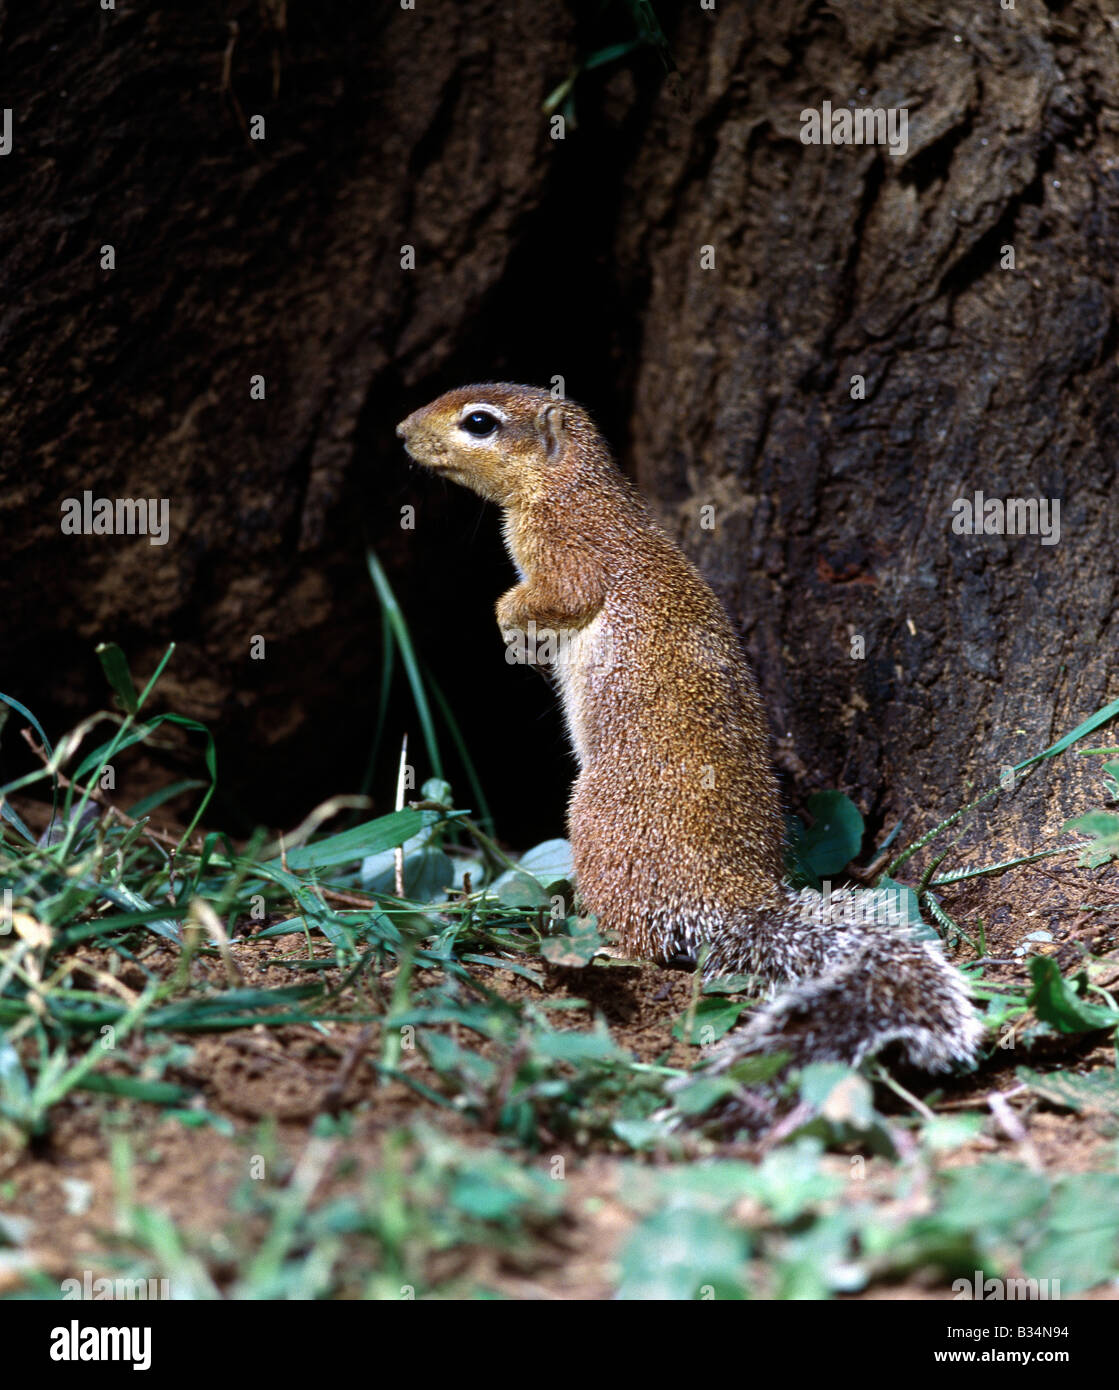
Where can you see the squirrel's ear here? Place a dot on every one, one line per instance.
(550, 427)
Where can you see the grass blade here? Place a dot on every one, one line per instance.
(115, 665)
(391, 614)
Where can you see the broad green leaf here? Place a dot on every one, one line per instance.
(996, 1199)
(712, 1019)
(896, 904)
(575, 946)
(428, 875)
(548, 861)
(836, 835)
(697, 1096)
(538, 869)
(757, 1068)
(1105, 846)
(515, 889)
(1056, 1002)
(428, 872)
(840, 1094)
(1078, 1260)
(1079, 1242)
(820, 1260)
(643, 1134)
(598, 1046)
(448, 1058)
(943, 1133)
(683, 1253)
(1096, 1090)
(791, 1181)
(485, 1198)
(714, 1186)
(731, 984)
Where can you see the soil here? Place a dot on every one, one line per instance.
(285, 1077)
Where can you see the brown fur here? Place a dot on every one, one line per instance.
(674, 820)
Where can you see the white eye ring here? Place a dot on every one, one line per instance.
(479, 420)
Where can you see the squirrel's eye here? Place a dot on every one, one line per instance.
(480, 423)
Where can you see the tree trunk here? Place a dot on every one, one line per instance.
(834, 264)
(902, 661)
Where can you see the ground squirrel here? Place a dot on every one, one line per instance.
(675, 821)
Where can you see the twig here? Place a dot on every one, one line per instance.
(95, 794)
(1013, 1127)
(872, 870)
(899, 1090)
(800, 1114)
(332, 1097)
(338, 895)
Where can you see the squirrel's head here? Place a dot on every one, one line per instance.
(509, 443)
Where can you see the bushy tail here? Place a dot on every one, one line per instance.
(854, 988)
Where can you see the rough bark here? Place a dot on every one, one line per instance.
(835, 514)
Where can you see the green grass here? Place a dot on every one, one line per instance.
(524, 1082)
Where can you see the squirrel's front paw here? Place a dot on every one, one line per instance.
(512, 616)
